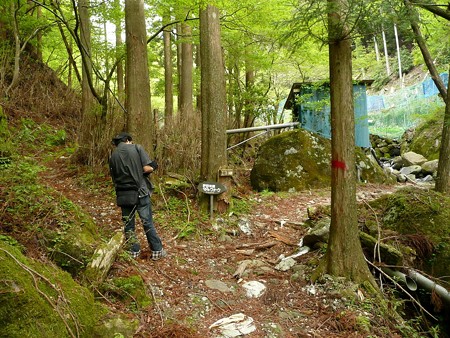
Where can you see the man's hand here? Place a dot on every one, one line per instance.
(153, 164)
(147, 170)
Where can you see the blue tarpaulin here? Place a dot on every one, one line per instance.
(430, 89)
(313, 112)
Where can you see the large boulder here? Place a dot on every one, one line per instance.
(299, 160)
(41, 300)
(416, 218)
(424, 139)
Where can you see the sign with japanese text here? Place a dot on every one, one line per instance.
(211, 188)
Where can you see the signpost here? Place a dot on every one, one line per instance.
(211, 189)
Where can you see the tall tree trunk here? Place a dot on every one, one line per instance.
(85, 37)
(442, 180)
(443, 172)
(344, 255)
(412, 13)
(213, 94)
(39, 35)
(249, 102)
(137, 81)
(186, 84)
(119, 42)
(168, 73)
(87, 134)
(179, 41)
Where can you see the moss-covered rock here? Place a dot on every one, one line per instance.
(425, 139)
(416, 218)
(299, 160)
(72, 246)
(39, 300)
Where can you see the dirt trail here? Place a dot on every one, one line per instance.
(181, 287)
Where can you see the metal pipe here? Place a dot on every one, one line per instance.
(397, 275)
(272, 126)
(254, 136)
(429, 285)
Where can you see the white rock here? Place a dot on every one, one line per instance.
(234, 326)
(254, 289)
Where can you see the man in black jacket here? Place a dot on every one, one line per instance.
(128, 164)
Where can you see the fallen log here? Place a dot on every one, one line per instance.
(257, 246)
(389, 254)
(103, 259)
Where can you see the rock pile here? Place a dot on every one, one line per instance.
(385, 148)
(413, 167)
(408, 166)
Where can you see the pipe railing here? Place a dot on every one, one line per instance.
(269, 127)
(265, 129)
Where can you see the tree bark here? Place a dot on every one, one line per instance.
(87, 135)
(137, 81)
(443, 13)
(168, 73)
(213, 96)
(186, 84)
(344, 255)
(119, 57)
(443, 172)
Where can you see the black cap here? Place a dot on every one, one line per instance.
(122, 137)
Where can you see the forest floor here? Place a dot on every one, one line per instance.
(185, 304)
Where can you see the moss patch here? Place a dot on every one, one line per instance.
(41, 301)
(129, 290)
(419, 219)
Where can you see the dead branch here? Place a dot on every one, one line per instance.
(240, 270)
(257, 246)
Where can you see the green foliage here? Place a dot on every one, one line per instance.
(402, 114)
(11, 242)
(38, 136)
(55, 222)
(6, 146)
(179, 215)
(131, 290)
(241, 206)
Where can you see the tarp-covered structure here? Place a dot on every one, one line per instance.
(310, 105)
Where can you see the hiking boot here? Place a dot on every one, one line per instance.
(156, 255)
(135, 254)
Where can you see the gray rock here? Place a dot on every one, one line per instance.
(411, 158)
(412, 169)
(217, 285)
(411, 178)
(397, 162)
(430, 167)
(236, 325)
(285, 264)
(319, 233)
(401, 178)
